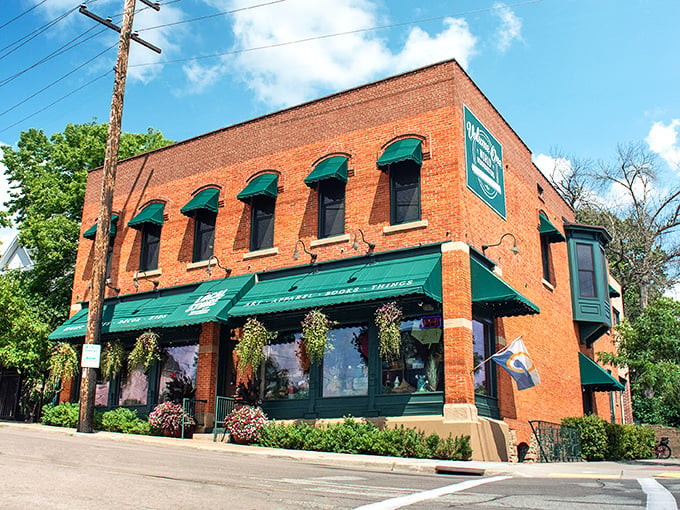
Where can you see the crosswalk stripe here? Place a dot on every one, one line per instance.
(658, 497)
(394, 503)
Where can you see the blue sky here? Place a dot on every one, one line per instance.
(575, 75)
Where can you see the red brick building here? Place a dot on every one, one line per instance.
(413, 189)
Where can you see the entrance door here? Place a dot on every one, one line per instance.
(9, 394)
(484, 345)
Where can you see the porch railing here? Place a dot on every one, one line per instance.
(194, 411)
(556, 443)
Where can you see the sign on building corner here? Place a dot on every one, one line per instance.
(483, 163)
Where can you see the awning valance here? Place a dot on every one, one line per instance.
(402, 150)
(367, 281)
(596, 378)
(613, 292)
(331, 168)
(91, 232)
(489, 291)
(207, 199)
(549, 230)
(169, 308)
(264, 184)
(152, 213)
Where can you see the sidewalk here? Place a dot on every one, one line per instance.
(600, 470)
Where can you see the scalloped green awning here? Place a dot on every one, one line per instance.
(548, 229)
(91, 232)
(331, 168)
(152, 213)
(492, 293)
(207, 199)
(407, 149)
(595, 377)
(168, 308)
(264, 184)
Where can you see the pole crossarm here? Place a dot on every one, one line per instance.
(107, 23)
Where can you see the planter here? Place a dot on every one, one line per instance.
(240, 440)
(171, 432)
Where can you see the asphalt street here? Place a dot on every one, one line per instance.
(44, 467)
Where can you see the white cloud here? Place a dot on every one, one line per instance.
(555, 169)
(663, 140)
(510, 28)
(291, 74)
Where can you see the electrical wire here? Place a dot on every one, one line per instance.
(57, 101)
(22, 14)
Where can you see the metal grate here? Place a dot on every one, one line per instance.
(556, 443)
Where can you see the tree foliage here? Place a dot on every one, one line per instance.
(48, 176)
(650, 346)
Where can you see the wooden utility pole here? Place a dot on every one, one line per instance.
(101, 242)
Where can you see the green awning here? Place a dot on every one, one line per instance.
(206, 199)
(331, 168)
(492, 293)
(168, 308)
(402, 150)
(264, 184)
(368, 281)
(91, 232)
(548, 229)
(596, 378)
(613, 292)
(152, 213)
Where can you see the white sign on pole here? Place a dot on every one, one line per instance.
(91, 353)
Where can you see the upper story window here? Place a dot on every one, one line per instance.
(549, 234)
(203, 207)
(585, 260)
(149, 222)
(91, 232)
(403, 159)
(261, 193)
(329, 177)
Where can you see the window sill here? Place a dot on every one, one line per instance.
(198, 265)
(548, 285)
(403, 227)
(268, 252)
(329, 240)
(148, 274)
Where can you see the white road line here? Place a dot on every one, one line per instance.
(658, 497)
(393, 503)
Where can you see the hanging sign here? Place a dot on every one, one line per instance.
(90, 357)
(484, 163)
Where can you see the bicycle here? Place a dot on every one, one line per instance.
(662, 450)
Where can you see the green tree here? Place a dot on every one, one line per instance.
(650, 346)
(48, 178)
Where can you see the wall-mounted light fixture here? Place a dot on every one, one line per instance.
(110, 285)
(214, 261)
(355, 244)
(514, 248)
(296, 254)
(136, 278)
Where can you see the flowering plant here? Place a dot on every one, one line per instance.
(63, 363)
(315, 330)
(113, 355)
(250, 347)
(145, 351)
(388, 320)
(245, 424)
(167, 417)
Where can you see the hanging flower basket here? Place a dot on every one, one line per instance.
(250, 347)
(315, 328)
(145, 352)
(113, 357)
(388, 320)
(63, 363)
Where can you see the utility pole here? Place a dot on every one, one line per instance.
(101, 242)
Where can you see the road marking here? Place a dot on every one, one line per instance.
(668, 474)
(393, 503)
(658, 497)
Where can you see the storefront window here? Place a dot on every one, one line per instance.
(178, 372)
(420, 367)
(286, 369)
(134, 387)
(101, 393)
(345, 367)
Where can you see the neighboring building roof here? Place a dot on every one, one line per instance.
(16, 257)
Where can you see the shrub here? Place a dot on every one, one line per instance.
(593, 430)
(125, 421)
(62, 415)
(602, 440)
(245, 424)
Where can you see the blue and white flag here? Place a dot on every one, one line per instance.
(516, 361)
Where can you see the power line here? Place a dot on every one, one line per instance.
(57, 80)
(23, 13)
(201, 18)
(57, 101)
(329, 36)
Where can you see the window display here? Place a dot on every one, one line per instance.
(178, 372)
(134, 388)
(345, 366)
(286, 368)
